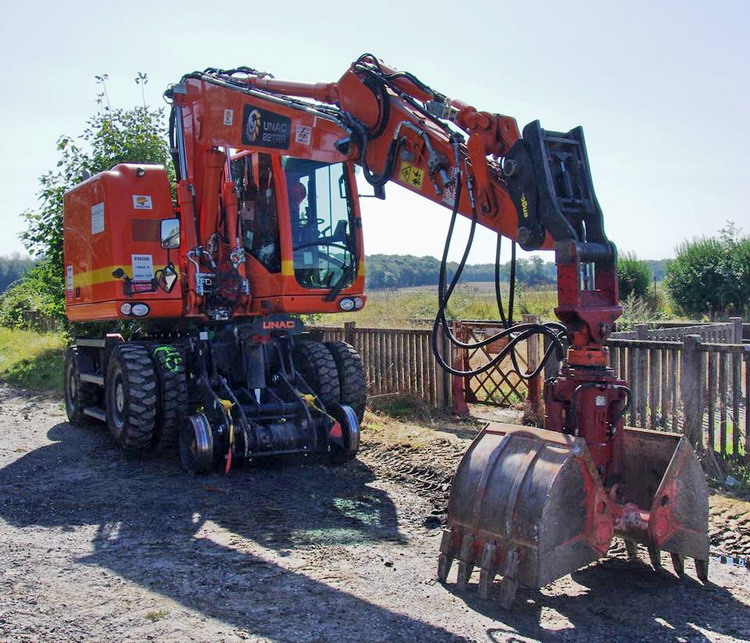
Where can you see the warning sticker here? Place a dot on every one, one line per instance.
(412, 175)
(449, 192)
(303, 134)
(97, 218)
(143, 267)
(69, 278)
(142, 202)
(228, 116)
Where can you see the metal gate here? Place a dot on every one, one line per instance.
(499, 386)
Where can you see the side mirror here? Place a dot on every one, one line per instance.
(170, 234)
(167, 278)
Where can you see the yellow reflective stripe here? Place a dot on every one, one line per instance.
(104, 275)
(287, 268)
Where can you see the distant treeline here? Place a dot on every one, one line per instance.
(12, 268)
(403, 271)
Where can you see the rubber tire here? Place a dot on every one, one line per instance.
(131, 370)
(352, 380)
(172, 398)
(316, 365)
(78, 395)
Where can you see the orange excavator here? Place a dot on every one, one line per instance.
(263, 224)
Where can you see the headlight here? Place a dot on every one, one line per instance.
(140, 310)
(358, 303)
(347, 304)
(126, 308)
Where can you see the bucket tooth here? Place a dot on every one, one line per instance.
(465, 562)
(487, 570)
(465, 568)
(444, 567)
(678, 562)
(701, 569)
(445, 560)
(654, 554)
(486, 579)
(509, 584)
(631, 547)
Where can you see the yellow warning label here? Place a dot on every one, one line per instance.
(414, 176)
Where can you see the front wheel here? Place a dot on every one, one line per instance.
(131, 396)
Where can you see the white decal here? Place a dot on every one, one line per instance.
(69, 278)
(449, 191)
(97, 218)
(143, 267)
(303, 134)
(228, 116)
(142, 202)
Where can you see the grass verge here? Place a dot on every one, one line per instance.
(32, 361)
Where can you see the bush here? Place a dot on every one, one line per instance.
(711, 276)
(634, 276)
(34, 302)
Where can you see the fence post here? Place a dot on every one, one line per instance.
(736, 329)
(691, 390)
(349, 332)
(533, 356)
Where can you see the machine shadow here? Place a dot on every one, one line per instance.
(149, 517)
(626, 600)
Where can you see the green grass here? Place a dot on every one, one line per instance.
(400, 308)
(31, 360)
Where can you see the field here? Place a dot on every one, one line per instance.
(407, 307)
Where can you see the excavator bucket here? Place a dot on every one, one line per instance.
(662, 475)
(525, 503)
(529, 505)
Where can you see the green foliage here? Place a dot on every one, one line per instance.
(407, 271)
(12, 268)
(711, 276)
(113, 136)
(35, 302)
(32, 360)
(634, 276)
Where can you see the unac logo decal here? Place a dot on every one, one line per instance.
(252, 127)
(263, 128)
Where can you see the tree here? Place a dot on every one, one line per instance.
(634, 276)
(112, 136)
(712, 275)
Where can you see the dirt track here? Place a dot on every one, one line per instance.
(96, 546)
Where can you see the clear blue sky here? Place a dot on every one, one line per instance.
(661, 89)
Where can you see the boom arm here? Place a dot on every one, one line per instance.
(535, 190)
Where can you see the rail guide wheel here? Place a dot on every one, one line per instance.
(343, 437)
(197, 445)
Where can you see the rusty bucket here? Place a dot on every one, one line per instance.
(528, 504)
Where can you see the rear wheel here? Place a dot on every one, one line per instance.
(78, 395)
(317, 366)
(352, 382)
(131, 391)
(172, 401)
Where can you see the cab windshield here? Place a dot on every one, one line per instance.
(320, 206)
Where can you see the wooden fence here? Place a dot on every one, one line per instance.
(696, 387)
(399, 361)
(723, 332)
(701, 389)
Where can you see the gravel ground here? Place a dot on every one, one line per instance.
(99, 546)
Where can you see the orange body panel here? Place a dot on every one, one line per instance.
(112, 222)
